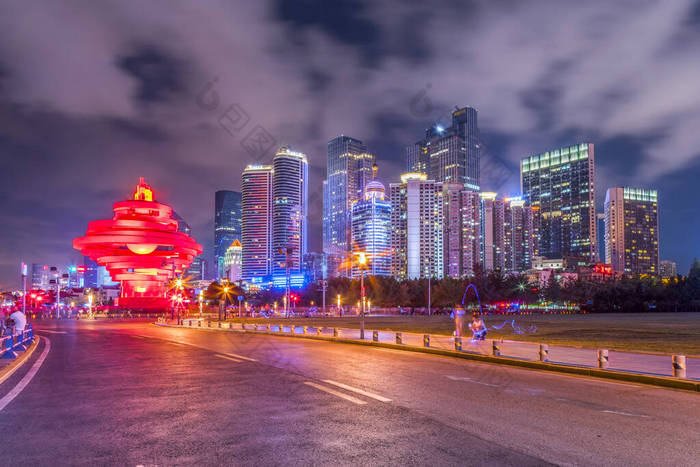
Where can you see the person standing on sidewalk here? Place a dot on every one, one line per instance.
(20, 321)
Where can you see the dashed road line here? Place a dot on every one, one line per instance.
(229, 358)
(354, 400)
(470, 380)
(241, 357)
(357, 390)
(53, 332)
(9, 397)
(627, 414)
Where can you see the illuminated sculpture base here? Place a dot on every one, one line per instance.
(147, 295)
(144, 303)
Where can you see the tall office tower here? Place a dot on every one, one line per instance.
(227, 225)
(600, 236)
(233, 261)
(632, 230)
(349, 169)
(492, 232)
(371, 227)
(461, 221)
(289, 210)
(256, 237)
(417, 227)
(667, 269)
(90, 275)
(197, 269)
(520, 225)
(452, 154)
(471, 231)
(40, 276)
(561, 184)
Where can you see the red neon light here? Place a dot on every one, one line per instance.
(140, 247)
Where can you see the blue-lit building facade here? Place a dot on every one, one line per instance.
(227, 225)
(256, 186)
(349, 169)
(371, 230)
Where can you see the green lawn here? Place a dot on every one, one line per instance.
(653, 332)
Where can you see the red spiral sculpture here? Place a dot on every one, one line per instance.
(141, 248)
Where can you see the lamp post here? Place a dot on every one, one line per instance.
(430, 274)
(222, 301)
(201, 302)
(24, 288)
(362, 262)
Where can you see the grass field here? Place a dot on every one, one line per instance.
(652, 332)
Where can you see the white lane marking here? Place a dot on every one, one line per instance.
(229, 358)
(175, 343)
(359, 391)
(625, 413)
(241, 357)
(470, 380)
(27, 378)
(53, 332)
(137, 337)
(336, 393)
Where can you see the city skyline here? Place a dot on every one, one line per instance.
(163, 125)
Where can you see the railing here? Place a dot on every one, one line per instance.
(623, 361)
(9, 345)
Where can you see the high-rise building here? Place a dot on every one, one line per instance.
(90, 274)
(521, 234)
(349, 169)
(289, 211)
(600, 236)
(632, 230)
(371, 227)
(452, 154)
(560, 183)
(667, 269)
(256, 226)
(233, 261)
(492, 232)
(461, 229)
(40, 276)
(197, 270)
(227, 224)
(416, 227)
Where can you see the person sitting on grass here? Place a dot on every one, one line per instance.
(478, 328)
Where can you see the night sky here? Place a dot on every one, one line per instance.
(95, 94)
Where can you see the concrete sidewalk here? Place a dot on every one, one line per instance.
(642, 363)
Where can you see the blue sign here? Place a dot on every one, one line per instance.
(240, 298)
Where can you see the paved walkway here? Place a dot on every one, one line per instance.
(645, 363)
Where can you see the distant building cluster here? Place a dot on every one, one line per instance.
(437, 221)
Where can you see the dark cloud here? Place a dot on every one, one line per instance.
(117, 100)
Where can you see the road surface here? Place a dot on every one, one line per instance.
(131, 393)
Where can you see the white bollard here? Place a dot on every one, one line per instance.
(335, 332)
(603, 358)
(399, 338)
(458, 344)
(268, 328)
(305, 330)
(230, 325)
(496, 348)
(291, 329)
(319, 331)
(679, 366)
(426, 340)
(544, 353)
(375, 336)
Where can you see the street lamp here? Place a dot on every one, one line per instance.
(201, 302)
(362, 262)
(430, 274)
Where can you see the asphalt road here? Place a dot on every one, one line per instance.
(132, 393)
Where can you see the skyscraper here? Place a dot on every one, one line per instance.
(667, 269)
(521, 233)
(632, 230)
(233, 261)
(492, 232)
(349, 169)
(371, 227)
(560, 183)
(417, 227)
(461, 229)
(450, 154)
(227, 224)
(289, 210)
(256, 235)
(600, 236)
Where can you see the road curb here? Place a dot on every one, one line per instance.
(653, 380)
(10, 369)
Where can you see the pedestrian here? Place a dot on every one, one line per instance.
(458, 315)
(478, 328)
(20, 321)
